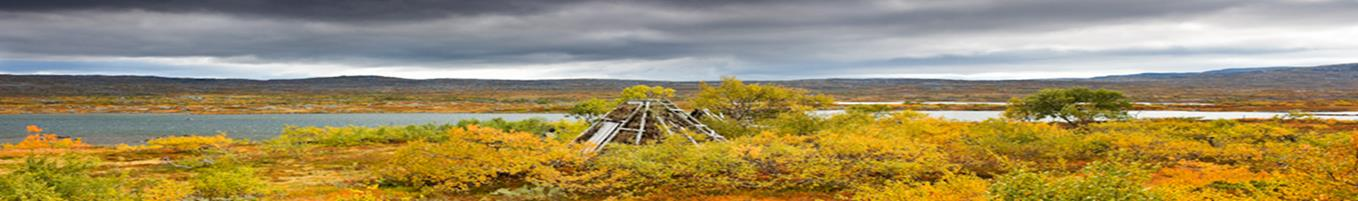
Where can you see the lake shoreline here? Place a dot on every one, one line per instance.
(104, 128)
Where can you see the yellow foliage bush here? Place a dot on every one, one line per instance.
(897, 148)
(860, 156)
(166, 190)
(190, 142)
(369, 193)
(676, 167)
(949, 188)
(906, 156)
(475, 157)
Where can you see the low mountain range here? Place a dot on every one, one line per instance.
(1328, 82)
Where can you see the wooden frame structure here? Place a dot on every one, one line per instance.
(645, 121)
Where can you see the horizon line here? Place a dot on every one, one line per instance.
(657, 80)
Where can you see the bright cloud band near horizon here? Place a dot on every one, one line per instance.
(670, 40)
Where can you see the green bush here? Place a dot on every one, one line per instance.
(1025, 143)
(59, 178)
(532, 125)
(1097, 181)
(796, 123)
(229, 181)
(357, 135)
(1074, 106)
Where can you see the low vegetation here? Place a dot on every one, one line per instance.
(36, 139)
(867, 153)
(190, 143)
(903, 156)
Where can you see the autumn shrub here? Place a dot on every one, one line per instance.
(1191, 180)
(228, 180)
(749, 103)
(47, 141)
(876, 110)
(731, 128)
(829, 161)
(1327, 170)
(1097, 181)
(359, 135)
(164, 190)
(36, 139)
(903, 146)
(567, 130)
(66, 177)
(893, 156)
(796, 123)
(530, 193)
(356, 135)
(993, 144)
(531, 125)
(187, 143)
(1222, 141)
(949, 188)
(677, 167)
(367, 193)
(480, 158)
(590, 110)
(564, 130)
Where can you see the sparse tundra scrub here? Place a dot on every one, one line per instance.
(863, 154)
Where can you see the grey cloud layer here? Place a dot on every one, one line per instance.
(773, 39)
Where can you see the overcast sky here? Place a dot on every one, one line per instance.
(670, 40)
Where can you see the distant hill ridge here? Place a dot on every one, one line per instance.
(1336, 69)
(1320, 82)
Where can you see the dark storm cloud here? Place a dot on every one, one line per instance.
(792, 38)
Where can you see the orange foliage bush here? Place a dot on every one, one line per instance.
(34, 129)
(37, 140)
(1194, 174)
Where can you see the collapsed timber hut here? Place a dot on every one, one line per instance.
(645, 121)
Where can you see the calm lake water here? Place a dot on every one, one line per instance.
(134, 128)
